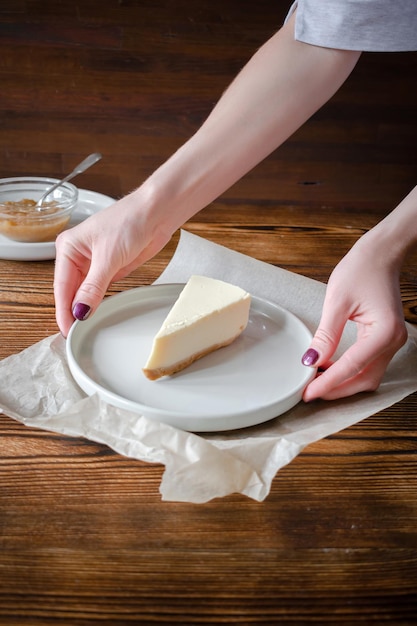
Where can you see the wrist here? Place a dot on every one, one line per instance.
(158, 204)
(389, 242)
(397, 233)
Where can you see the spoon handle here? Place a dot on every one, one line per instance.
(84, 165)
(81, 167)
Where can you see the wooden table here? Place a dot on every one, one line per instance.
(84, 536)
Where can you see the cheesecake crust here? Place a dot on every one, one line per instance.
(154, 374)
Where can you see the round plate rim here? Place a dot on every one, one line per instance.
(209, 422)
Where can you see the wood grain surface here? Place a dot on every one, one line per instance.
(84, 536)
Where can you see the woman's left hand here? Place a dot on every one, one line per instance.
(364, 288)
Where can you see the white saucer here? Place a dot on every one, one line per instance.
(256, 378)
(89, 202)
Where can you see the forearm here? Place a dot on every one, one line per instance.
(282, 85)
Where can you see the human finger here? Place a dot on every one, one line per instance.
(368, 379)
(360, 368)
(93, 288)
(327, 336)
(67, 280)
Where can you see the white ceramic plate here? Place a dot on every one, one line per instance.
(256, 378)
(89, 202)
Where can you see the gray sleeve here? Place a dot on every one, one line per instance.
(366, 25)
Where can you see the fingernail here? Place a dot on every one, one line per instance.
(81, 311)
(310, 357)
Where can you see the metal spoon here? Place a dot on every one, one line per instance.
(84, 165)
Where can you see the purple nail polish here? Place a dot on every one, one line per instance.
(81, 311)
(310, 357)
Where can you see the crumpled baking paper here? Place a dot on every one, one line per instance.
(37, 389)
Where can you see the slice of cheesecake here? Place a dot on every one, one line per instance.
(208, 314)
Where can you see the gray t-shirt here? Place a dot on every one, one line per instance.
(366, 25)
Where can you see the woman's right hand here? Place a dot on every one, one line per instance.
(104, 248)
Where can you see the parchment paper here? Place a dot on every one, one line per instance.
(37, 389)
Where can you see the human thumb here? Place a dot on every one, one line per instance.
(90, 293)
(326, 339)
